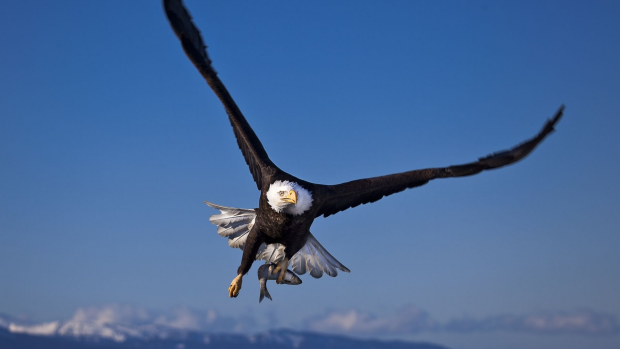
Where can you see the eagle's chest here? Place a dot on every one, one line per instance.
(277, 224)
(280, 225)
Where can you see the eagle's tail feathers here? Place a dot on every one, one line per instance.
(314, 258)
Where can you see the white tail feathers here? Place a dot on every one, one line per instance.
(316, 260)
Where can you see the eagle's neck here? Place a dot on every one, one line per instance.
(304, 198)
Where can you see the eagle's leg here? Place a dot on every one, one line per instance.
(281, 267)
(235, 286)
(252, 243)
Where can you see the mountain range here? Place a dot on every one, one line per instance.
(82, 335)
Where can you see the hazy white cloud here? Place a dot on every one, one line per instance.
(407, 320)
(111, 314)
(413, 320)
(203, 320)
(181, 318)
(585, 322)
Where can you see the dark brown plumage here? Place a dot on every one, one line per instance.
(292, 230)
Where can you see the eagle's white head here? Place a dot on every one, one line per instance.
(289, 197)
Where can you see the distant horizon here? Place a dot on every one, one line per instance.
(408, 324)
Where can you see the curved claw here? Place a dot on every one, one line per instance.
(280, 278)
(281, 268)
(235, 286)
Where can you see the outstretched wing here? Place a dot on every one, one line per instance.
(251, 147)
(346, 195)
(236, 223)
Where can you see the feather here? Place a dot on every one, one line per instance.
(238, 240)
(325, 254)
(229, 218)
(230, 229)
(228, 209)
(235, 223)
(298, 264)
(270, 253)
(316, 260)
(313, 264)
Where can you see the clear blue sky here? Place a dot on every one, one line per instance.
(110, 141)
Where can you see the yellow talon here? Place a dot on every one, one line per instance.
(235, 286)
(281, 267)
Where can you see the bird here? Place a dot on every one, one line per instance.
(236, 224)
(288, 205)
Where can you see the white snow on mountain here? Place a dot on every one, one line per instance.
(45, 329)
(119, 323)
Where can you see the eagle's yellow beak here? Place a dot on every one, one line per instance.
(290, 197)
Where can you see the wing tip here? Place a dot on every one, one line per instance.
(550, 124)
(558, 115)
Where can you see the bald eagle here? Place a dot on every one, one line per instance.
(288, 205)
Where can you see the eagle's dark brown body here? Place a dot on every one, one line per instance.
(277, 227)
(289, 230)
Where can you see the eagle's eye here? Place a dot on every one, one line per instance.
(281, 193)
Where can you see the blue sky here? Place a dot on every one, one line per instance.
(110, 141)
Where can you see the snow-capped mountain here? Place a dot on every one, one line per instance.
(92, 330)
(74, 334)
